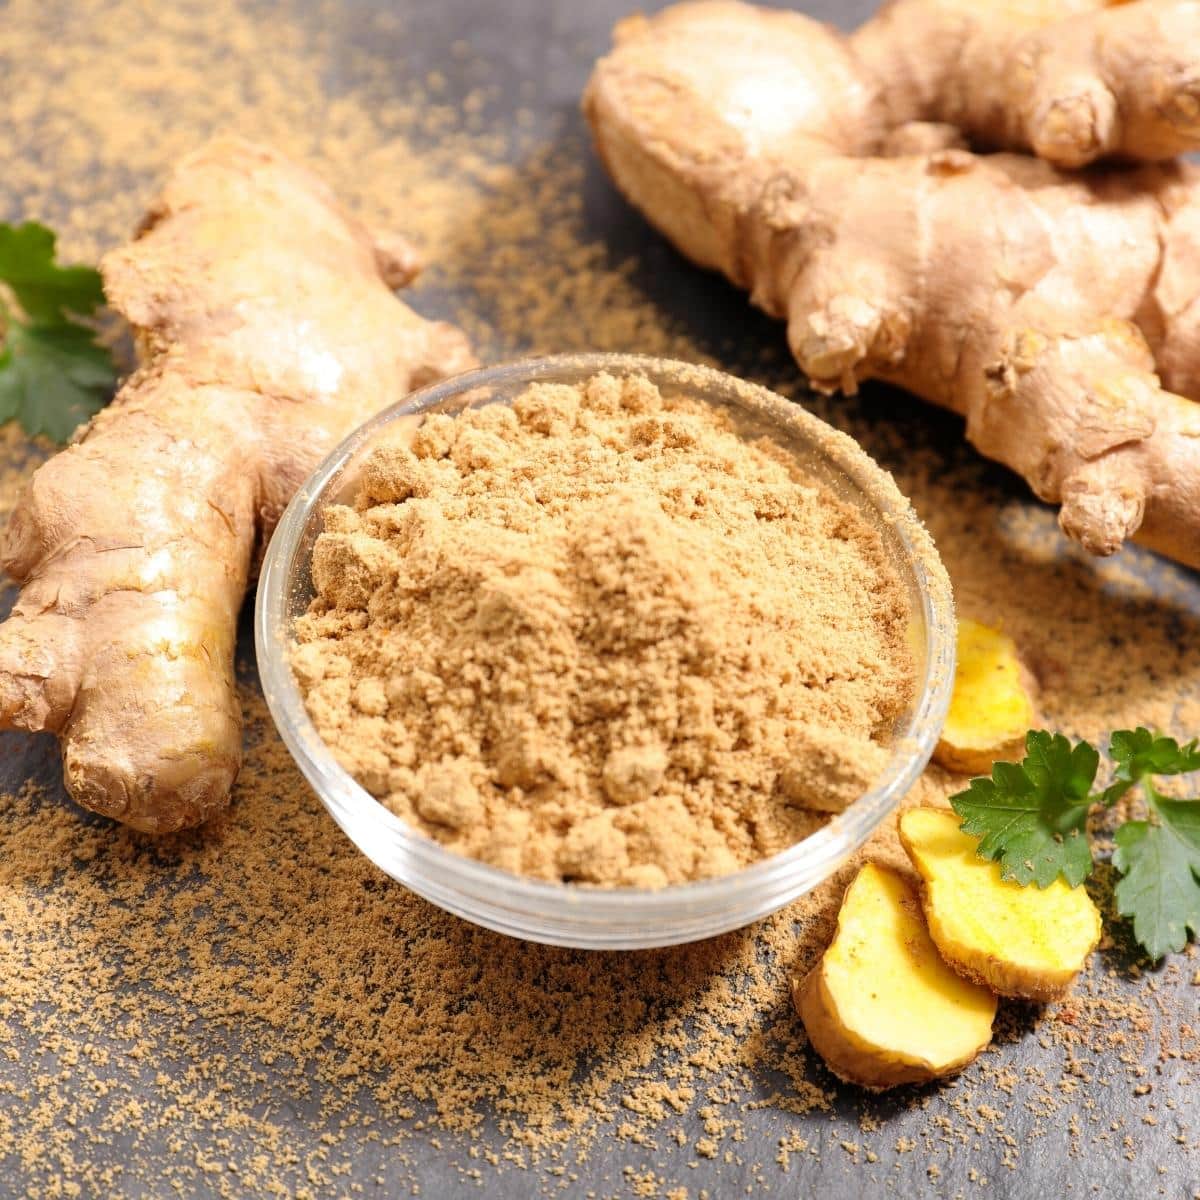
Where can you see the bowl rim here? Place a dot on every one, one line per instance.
(378, 832)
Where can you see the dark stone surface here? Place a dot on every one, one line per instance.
(552, 43)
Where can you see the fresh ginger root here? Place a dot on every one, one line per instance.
(991, 708)
(881, 1007)
(825, 175)
(267, 330)
(1071, 80)
(1019, 941)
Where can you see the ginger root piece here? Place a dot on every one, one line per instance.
(1050, 310)
(881, 1007)
(992, 706)
(267, 330)
(1019, 941)
(1071, 80)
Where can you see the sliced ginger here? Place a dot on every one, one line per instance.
(1019, 941)
(992, 707)
(882, 1008)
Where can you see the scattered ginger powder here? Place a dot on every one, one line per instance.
(600, 637)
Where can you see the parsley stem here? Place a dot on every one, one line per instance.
(1153, 795)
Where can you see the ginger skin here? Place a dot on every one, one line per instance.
(1058, 313)
(267, 330)
(1072, 81)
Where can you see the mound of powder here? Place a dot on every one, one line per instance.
(601, 637)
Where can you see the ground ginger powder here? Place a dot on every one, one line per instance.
(600, 637)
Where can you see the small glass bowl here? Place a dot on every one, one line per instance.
(594, 918)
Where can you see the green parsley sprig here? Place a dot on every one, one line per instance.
(53, 373)
(1032, 818)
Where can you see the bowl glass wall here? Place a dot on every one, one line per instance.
(591, 917)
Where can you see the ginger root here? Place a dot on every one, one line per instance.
(992, 706)
(881, 1007)
(267, 330)
(1058, 313)
(1071, 80)
(1019, 941)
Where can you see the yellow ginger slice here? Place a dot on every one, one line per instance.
(1019, 941)
(881, 1007)
(992, 706)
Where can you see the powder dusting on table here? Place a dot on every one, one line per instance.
(599, 636)
(254, 1008)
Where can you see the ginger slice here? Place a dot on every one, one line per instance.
(1019, 941)
(992, 707)
(267, 329)
(882, 1008)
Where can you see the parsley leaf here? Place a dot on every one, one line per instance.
(1138, 753)
(1031, 816)
(53, 378)
(44, 290)
(53, 373)
(1159, 864)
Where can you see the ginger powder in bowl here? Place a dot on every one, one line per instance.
(601, 630)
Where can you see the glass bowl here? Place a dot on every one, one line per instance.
(566, 914)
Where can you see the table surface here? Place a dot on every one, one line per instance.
(554, 43)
